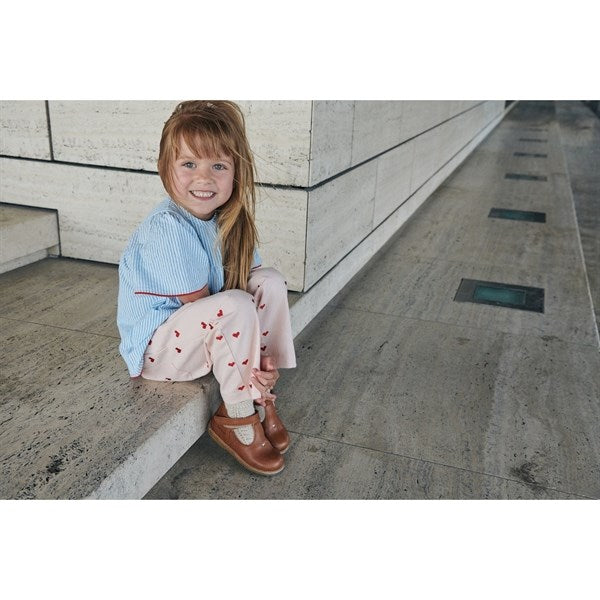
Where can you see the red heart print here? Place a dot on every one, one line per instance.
(219, 337)
(204, 325)
(263, 348)
(261, 306)
(150, 359)
(231, 364)
(177, 334)
(220, 313)
(236, 334)
(249, 385)
(245, 362)
(265, 333)
(241, 387)
(178, 350)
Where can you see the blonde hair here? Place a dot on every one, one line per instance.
(212, 129)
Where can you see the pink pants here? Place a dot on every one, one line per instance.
(227, 332)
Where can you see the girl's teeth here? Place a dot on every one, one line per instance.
(203, 194)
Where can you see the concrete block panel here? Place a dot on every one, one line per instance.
(331, 139)
(340, 215)
(437, 146)
(470, 123)
(24, 129)
(454, 108)
(368, 128)
(279, 135)
(122, 134)
(420, 115)
(281, 222)
(394, 172)
(99, 209)
(426, 157)
(449, 139)
(126, 134)
(377, 128)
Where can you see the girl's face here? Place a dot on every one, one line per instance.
(201, 185)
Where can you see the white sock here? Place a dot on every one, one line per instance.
(261, 411)
(245, 433)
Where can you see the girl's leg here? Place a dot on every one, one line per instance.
(269, 291)
(219, 332)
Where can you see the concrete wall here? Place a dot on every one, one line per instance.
(332, 173)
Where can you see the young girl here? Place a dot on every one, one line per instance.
(193, 295)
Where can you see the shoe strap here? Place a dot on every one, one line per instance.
(239, 422)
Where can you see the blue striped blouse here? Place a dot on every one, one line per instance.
(172, 253)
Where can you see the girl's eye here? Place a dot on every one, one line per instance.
(189, 165)
(219, 167)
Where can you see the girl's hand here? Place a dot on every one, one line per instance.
(265, 379)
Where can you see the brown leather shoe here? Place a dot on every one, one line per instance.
(274, 429)
(259, 457)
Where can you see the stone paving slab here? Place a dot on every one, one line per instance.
(580, 137)
(319, 469)
(425, 289)
(67, 293)
(454, 225)
(471, 398)
(74, 424)
(511, 157)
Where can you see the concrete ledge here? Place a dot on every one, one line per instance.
(28, 235)
(74, 425)
(142, 469)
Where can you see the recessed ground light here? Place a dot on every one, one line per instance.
(517, 215)
(533, 154)
(501, 294)
(525, 176)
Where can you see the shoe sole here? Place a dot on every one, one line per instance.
(225, 447)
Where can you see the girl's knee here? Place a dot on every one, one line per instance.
(238, 301)
(272, 278)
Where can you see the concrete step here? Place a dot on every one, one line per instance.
(74, 425)
(27, 234)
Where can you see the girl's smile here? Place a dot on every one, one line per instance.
(202, 195)
(201, 185)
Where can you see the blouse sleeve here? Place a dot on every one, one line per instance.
(257, 262)
(172, 259)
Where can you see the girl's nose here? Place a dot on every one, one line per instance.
(204, 173)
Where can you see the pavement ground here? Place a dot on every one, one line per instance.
(402, 392)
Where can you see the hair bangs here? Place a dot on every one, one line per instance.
(205, 139)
